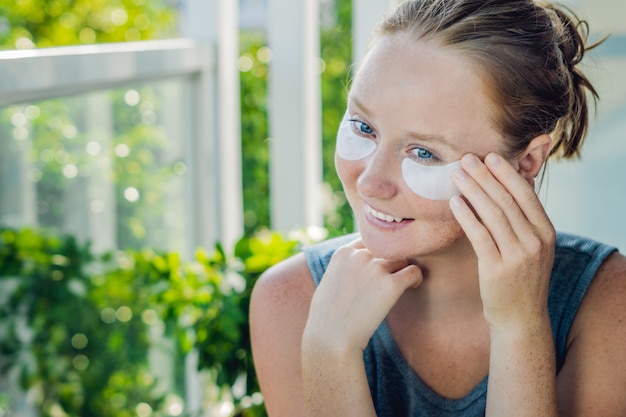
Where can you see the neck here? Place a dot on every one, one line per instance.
(450, 288)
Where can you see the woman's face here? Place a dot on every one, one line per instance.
(419, 102)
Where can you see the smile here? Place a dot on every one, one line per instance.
(384, 217)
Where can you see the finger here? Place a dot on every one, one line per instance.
(356, 243)
(520, 189)
(408, 277)
(386, 265)
(476, 232)
(492, 204)
(534, 229)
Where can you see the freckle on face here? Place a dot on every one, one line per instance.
(408, 86)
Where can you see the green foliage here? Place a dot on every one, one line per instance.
(133, 155)
(4, 404)
(209, 300)
(44, 23)
(79, 327)
(56, 334)
(337, 54)
(59, 130)
(147, 167)
(336, 51)
(28, 23)
(254, 131)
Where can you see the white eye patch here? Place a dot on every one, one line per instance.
(433, 182)
(351, 146)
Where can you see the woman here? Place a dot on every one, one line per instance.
(457, 297)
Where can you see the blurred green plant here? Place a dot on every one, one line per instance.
(92, 357)
(59, 130)
(253, 66)
(37, 23)
(26, 24)
(336, 51)
(4, 404)
(81, 329)
(63, 149)
(255, 57)
(68, 354)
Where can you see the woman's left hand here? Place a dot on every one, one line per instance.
(512, 237)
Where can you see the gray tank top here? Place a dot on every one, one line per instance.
(398, 391)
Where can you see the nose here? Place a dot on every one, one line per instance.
(378, 178)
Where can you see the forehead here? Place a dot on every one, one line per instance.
(419, 84)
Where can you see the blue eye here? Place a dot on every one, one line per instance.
(362, 127)
(423, 153)
(366, 128)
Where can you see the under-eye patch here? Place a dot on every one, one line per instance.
(433, 182)
(351, 146)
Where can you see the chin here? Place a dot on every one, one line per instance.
(386, 248)
(394, 247)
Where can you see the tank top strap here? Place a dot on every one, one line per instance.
(576, 261)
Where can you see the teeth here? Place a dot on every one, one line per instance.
(382, 216)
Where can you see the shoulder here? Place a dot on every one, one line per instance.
(577, 262)
(605, 300)
(290, 284)
(285, 279)
(593, 378)
(286, 285)
(318, 256)
(600, 268)
(279, 308)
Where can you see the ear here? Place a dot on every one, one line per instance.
(532, 159)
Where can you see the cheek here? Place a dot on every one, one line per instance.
(348, 171)
(435, 226)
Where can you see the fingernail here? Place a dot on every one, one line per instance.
(460, 174)
(492, 159)
(456, 201)
(471, 160)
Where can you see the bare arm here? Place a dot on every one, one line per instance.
(522, 371)
(592, 381)
(278, 312)
(335, 381)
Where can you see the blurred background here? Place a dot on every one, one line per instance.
(586, 196)
(156, 156)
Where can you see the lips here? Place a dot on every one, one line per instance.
(383, 216)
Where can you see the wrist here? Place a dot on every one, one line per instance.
(506, 317)
(532, 327)
(322, 344)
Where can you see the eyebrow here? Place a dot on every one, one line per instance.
(421, 136)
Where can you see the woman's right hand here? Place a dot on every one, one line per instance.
(356, 294)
